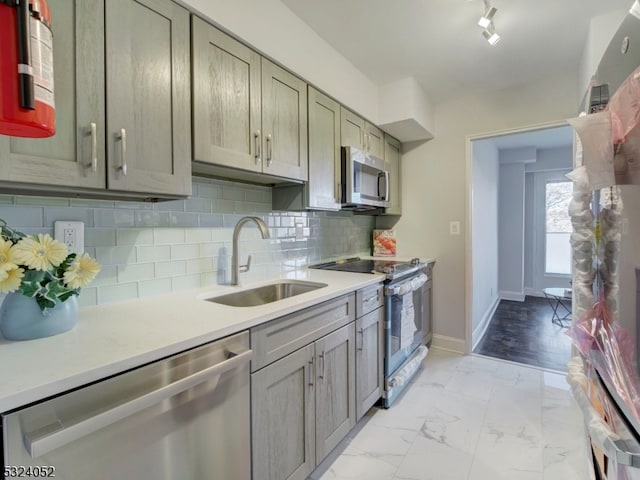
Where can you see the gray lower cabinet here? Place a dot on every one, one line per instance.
(369, 360)
(369, 347)
(302, 389)
(130, 133)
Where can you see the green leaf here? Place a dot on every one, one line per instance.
(65, 264)
(45, 303)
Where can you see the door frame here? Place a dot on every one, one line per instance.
(468, 341)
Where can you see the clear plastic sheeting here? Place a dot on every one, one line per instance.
(611, 138)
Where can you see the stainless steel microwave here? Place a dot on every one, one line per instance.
(365, 182)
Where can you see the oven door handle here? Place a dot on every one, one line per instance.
(45, 444)
(406, 286)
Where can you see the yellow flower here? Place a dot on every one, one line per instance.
(81, 272)
(10, 277)
(6, 252)
(40, 253)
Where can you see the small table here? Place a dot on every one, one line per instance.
(557, 299)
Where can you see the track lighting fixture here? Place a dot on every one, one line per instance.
(486, 22)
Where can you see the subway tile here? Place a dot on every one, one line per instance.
(186, 282)
(153, 253)
(117, 293)
(6, 199)
(88, 297)
(90, 203)
(117, 218)
(76, 214)
(183, 252)
(171, 269)
(207, 190)
(100, 237)
(199, 265)
(170, 206)
(196, 204)
(197, 235)
(213, 220)
(150, 288)
(107, 276)
(222, 205)
(22, 216)
(212, 249)
(168, 236)
(222, 234)
(258, 194)
(134, 205)
(135, 272)
(183, 219)
(43, 201)
(118, 255)
(232, 193)
(134, 236)
(151, 218)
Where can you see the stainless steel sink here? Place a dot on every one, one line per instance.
(266, 294)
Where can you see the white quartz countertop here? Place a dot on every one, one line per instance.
(110, 339)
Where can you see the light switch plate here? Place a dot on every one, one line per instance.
(71, 234)
(454, 228)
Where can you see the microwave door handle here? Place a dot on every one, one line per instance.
(386, 185)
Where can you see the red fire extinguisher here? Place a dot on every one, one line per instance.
(27, 106)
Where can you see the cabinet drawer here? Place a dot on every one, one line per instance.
(368, 299)
(275, 339)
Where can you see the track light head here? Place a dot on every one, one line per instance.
(486, 19)
(491, 36)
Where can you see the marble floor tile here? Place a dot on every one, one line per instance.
(468, 418)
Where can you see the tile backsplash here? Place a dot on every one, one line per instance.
(154, 248)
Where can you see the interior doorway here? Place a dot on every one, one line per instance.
(519, 243)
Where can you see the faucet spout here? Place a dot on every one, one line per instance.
(235, 266)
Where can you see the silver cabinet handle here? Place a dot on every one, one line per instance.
(123, 151)
(269, 150)
(256, 146)
(93, 130)
(41, 446)
(361, 333)
(311, 372)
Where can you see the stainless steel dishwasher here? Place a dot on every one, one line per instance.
(182, 417)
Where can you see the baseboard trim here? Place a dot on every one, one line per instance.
(514, 296)
(481, 329)
(533, 293)
(450, 344)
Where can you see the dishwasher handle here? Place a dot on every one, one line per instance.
(41, 446)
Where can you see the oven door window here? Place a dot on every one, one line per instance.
(404, 336)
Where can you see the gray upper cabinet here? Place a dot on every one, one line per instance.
(357, 132)
(284, 123)
(324, 152)
(392, 156)
(146, 66)
(148, 96)
(75, 155)
(226, 100)
(249, 114)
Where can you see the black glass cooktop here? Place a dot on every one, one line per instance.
(392, 268)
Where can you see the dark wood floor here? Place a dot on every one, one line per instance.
(522, 332)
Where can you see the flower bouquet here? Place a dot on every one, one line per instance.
(41, 270)
(40, 267)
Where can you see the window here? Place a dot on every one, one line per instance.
(558, 227)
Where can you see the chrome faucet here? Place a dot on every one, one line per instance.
(235, 268)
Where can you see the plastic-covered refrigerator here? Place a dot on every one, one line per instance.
(605, 212)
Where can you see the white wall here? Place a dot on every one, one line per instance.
(601, 30)
(484, 229)
(270, 27)
(511, 231)
(435, 184)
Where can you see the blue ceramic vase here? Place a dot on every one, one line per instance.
(22, 319)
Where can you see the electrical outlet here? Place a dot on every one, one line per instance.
(71, 234)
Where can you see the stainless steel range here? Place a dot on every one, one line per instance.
(407, 301)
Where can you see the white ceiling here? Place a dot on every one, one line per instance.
(439, 43)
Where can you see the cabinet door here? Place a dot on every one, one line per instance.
(324, 151)
(148, 97)
(351, 129)
(282, 418)
(392, 155)
(335, 392)
(369, 360)
(284, 123)
(67, 158)
(374, 139)
(226, 100)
